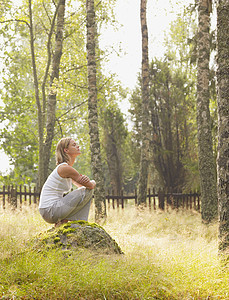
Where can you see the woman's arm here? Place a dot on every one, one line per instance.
(66, 171)
(82, 181)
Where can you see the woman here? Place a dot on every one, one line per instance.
(56, 208)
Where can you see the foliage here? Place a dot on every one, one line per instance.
(181, 45)
(114, 135)
(181, 42)
(19, 137)
(158, 263)
(172, 123)
(19, 134)
(172, 109)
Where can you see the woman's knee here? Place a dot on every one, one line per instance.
(47, 215)
(88, 194)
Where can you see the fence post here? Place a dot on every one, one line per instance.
(161, 198)
(149, 199)
(154, 199)
(183, 201)
(177, 199)
(118, 198)
(25, 191)
(135, 195)
(13, 197)
(172, 198)
(187, 206)
(198, 202)
(108, 198)
(169, 197)
(194, 200)
(3, 198)
(34, 195)
(113, 202)
(20, 196)
(8, 193)
(122, 199)
(30, 196)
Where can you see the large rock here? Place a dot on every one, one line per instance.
(80, 234)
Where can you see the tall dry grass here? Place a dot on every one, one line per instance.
(168, 255)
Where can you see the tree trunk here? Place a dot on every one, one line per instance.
(114, 163)
(39, 108)
(144, 163)
(206, 158)
(99, 196)
(45, 149)
(223, 122)
(54, 78)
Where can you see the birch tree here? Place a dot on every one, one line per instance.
(223, 122)
(99, 195)
(144, 161)
(53, 85)
(206, 158)
(37, 97)
(47, 108)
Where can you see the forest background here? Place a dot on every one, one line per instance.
(173, 75)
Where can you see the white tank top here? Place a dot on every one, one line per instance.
(54, 188)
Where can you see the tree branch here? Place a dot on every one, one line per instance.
(49, 57)
(74, 68)
(72, 108)
(61, 131)
(16, 20)
(75, 85)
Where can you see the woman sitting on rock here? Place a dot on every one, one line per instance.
(55, 206)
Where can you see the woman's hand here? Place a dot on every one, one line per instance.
(83, 179)
(93, 183)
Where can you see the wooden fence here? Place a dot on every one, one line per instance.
(158, 200)
(15, 196)
(18, 196)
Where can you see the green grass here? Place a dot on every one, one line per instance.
(169, 255)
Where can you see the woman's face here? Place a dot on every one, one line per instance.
(73, 149)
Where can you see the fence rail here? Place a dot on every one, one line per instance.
(158, 200)
(15, 196)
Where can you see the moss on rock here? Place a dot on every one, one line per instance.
(78, 235)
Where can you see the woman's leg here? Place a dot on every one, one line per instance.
(73, 206)
(82, 210)
(82, 214)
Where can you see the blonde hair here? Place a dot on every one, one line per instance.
(61, 155)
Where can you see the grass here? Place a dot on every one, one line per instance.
(169, 255)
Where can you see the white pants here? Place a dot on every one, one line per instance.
(74, 206)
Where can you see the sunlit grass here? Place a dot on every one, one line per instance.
(16, 227)
(178, 242)
(168, 255)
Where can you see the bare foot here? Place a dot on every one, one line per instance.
(59, 223)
